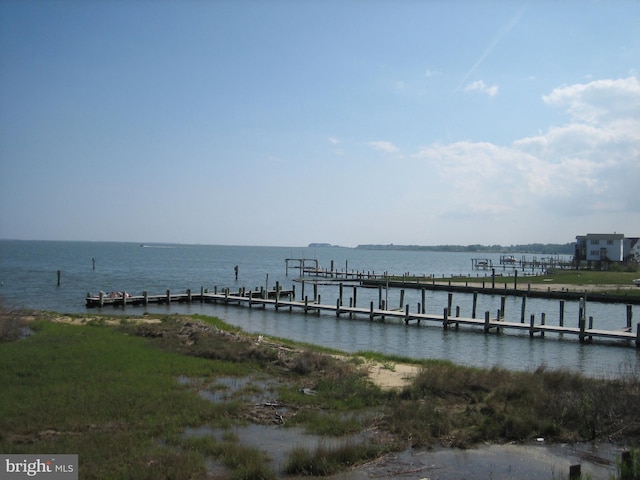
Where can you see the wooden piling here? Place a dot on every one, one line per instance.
(522, 310)
(561, 313)
(59, 274)
(475, 303)
(487, 318)
(629, 316)
(531, 322)
(423, 304)
(575, 472)
(503, 301)
(168, 296)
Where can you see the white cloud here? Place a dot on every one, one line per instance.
(480, 86)
(384, 146)
(600, 101)
(590, 166)
(334, 140)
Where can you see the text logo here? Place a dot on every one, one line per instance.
(50, 467)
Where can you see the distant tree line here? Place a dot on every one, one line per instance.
(537, 248)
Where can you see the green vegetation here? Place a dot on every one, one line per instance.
(123, 396)
(609, 282)
(585, 277)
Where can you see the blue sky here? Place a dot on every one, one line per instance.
(348, 122)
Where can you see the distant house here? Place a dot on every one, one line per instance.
(598, 247)
(632, 249)
(606, 247)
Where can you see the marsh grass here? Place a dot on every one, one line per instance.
(461, 406)
(111, 394)
(326, 461)
(107, 396)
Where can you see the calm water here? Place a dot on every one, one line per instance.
(28, 272)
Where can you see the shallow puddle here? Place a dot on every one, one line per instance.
(495, 462)
(276, 441)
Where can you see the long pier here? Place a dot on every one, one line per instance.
(284, 300)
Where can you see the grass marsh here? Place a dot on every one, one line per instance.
(117, 396)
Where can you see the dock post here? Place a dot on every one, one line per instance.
(475, 303)
(341, 290)
(355, 296)
(124, 299)
(302, 294)
(371, 313)
(379, 297)
(168, 296)
(487, 317)
(638, 335)
(250, 298)
(145, 295)
(581, 325)
(59, 273)
(561, 313)
(449, 302)
(338, 303)
(515, 279)
(502, 305)
(401, 298)
(101, 299)
(524, 306)
(306, 304)
(629, 316)
(424, 301)
(188, 295)
(531, 322)
(575, 472)
(201, 294)
(445, 318)
(406, 314)
(315, 292)
(543, 321)
(590, 327)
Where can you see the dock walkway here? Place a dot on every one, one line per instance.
(285, 300)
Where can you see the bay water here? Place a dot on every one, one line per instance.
(29, 279)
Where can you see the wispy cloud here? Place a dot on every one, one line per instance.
(588, 166)
(384, 146)
(496, 40)
(480, 86)
(334, 140)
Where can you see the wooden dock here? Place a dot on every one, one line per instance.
(284, 300)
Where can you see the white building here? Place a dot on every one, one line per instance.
(599, 247)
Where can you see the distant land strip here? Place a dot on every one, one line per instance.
(537, 248)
